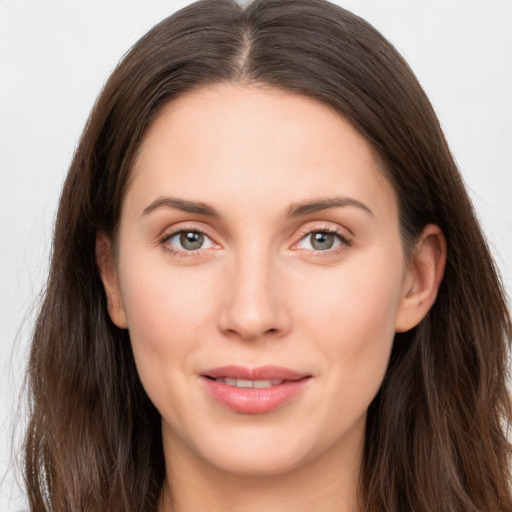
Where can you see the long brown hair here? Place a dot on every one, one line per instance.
(436, 432)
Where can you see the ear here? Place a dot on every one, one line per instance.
(424, 276)
(106, 265)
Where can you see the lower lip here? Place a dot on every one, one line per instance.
(254, 400)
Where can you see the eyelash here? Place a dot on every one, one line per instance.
(181, 253)
(344, 241)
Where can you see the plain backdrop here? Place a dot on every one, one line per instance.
(55, 56)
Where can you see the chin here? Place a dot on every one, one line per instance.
(261, 450)
(252, 461)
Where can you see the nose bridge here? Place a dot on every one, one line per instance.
(255, 305)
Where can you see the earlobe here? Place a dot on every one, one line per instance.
(425, 273)
(107, 269)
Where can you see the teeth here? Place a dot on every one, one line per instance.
(244, 383)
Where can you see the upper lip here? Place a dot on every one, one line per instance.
(258, 373)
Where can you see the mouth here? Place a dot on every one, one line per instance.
(244, 383)
(254, 390)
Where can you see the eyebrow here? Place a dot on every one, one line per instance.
(317, 205)
(183, 205)
(294, 210)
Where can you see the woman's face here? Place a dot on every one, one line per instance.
(261, 275)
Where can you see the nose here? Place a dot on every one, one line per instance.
(254, 305)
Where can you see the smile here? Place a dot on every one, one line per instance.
(254, 390)
(244, 383)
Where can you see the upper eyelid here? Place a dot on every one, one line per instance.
(328, 227)
(319, 229)
(341, 236)
(173, 230)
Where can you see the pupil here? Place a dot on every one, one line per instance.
(191, 240)
(322, 241)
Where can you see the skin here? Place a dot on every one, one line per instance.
(257, 293)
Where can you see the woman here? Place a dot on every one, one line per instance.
(268, 289)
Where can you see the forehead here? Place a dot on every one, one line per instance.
(230, 144)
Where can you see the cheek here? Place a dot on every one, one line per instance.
(352, 320)
(166, 310)
(359, 298)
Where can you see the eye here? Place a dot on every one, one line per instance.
(188, 240)
(323, 240)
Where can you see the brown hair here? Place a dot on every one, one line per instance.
(436, 432)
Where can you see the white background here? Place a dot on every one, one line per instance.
(56, 54)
